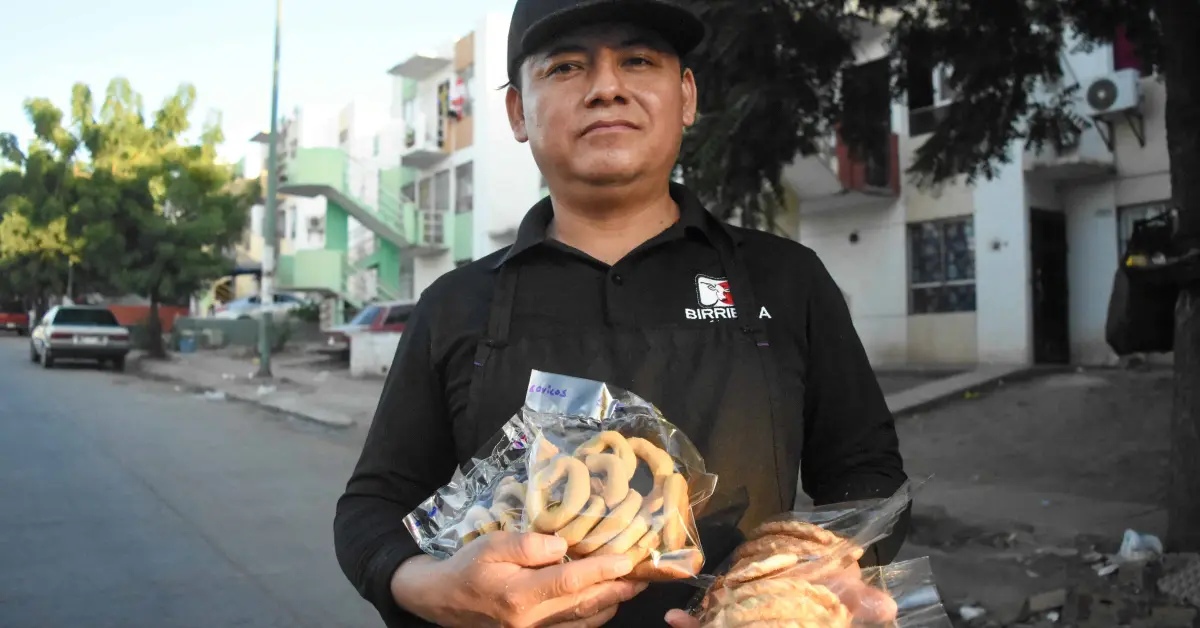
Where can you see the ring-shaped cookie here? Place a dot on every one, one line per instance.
(676, 505)
(508, 501)
(660, 462)
(612, 525)
(614, 486)
(547, 518)
(626, 539)
(591, 515)
(610, 441)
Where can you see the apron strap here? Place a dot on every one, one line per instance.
(499, 315)
(744, 300)
(747, 306)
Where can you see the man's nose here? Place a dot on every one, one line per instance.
(607, 85)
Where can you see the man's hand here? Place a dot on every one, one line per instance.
(510, 580)
(866, 603)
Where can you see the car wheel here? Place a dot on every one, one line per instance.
(118, 364)
(47, 359)
(20, 332)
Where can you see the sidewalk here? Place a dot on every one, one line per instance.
(299, 387)
(345, 400)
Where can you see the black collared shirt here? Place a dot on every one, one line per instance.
(850, 446)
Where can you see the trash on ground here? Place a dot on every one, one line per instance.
(1137, 547)
(213, 395)
(969, 612)
(265, 390)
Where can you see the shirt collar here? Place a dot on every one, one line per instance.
(692, 217)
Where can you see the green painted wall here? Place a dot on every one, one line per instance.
(285, 272)
(464, 236)
(323, 166)
(337, 228)
(389, 265)
(319, 269)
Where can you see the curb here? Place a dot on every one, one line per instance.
(324, 419)
(982, 386)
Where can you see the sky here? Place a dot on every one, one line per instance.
(332, 52)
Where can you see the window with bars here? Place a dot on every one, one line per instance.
(464, 188)
(441, 190)
(425, 194)
(1127, 216)
(941, 266)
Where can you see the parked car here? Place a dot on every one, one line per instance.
(14, 317)
(79, 332)
(390, 316)
(250, 307)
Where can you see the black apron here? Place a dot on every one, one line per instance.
(717, 383)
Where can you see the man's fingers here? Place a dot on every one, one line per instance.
(869, 604)
(678, 619)
(527, 550)
(589, 602)
(599, 619)
(569, 578)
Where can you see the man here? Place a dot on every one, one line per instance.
(740, 337)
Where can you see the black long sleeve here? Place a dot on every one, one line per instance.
(409, 454)
(851, 450)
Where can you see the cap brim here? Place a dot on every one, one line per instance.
(677, 25)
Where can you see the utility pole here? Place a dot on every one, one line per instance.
(266, 294)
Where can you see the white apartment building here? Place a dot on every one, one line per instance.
(470, 180)
(1015, 270)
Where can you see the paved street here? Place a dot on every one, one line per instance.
(126, 503)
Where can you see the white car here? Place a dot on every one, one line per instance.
(77, 332)
(249, 307)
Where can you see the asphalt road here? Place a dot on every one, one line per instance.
(126, 503)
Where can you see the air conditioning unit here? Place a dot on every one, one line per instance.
(1113, 93)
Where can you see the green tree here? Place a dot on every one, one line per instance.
(776, 76)
(143, 207)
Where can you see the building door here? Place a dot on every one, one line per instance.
(1048, 248)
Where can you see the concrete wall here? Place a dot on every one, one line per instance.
(871, 273)
(506, 176)
(371, 354)
(1002, 267)
(1143, 176)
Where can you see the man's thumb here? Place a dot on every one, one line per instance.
(679, 619)
(527, 549)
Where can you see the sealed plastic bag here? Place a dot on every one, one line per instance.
(802, 567)
(593, 464)
(899, 595)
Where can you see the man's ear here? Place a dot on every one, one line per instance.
(688, 83)
(516, 114)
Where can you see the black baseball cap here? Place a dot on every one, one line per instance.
(537, 22)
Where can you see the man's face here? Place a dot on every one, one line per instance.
(603, 106)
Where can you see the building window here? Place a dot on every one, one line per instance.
(942, 266)
(343, 137)
(441, 191)
(408, 193)
(464, 188)
(1127, 216)
(425, 194)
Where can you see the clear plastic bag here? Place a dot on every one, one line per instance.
(594, 464)
(802, 567)
(900, 595)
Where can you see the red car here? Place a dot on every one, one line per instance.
(389, 316)
(14, 317)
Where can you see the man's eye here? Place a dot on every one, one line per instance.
(639, 61)
(560, 68)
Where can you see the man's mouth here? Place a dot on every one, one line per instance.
(609, 126)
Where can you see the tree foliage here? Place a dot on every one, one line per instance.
(128, 197)
(778, 76)
(771, 83)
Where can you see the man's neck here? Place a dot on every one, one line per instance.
(609, 226)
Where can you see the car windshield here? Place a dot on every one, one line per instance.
(365, 317)
(90, 317)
